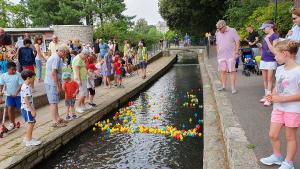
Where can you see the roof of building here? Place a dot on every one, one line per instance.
(11, 30)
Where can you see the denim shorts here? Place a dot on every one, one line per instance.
(52, 94)
(143, 65)
(13, 101)
(70, 102)
(28, 118)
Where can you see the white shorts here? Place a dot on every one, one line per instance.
(267, 65)
(83, 91)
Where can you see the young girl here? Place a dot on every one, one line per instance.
(268, 63)
(286, 109)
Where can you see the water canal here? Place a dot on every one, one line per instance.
(162, 105)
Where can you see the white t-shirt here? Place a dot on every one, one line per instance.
(26, 92)
(91, 80)
(287, 82)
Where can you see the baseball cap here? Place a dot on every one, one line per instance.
(66, 75)
(92, 67)
(265, 25)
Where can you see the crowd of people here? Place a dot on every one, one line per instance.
(87, 65)
(279, 56)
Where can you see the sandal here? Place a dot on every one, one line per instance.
(62, 121)
(58, 125)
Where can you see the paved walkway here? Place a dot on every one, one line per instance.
(253, 116)
(11, 147)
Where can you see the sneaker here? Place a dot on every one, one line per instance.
(24, 139)
(79, 110)
(262, 100)
(74, 116)
(234, 91)
(68, 118)
(286, 165)
(32, 143)
(10, 126)
(267, 103)
(272, 159)
(87, 107)
(221, 89)
(92, 104)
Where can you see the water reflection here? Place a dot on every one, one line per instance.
(164, 98)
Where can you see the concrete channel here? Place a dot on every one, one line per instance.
(23, 158)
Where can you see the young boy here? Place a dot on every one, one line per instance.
(12, 82)
(91, 83)
(71, 89)
(27, 108)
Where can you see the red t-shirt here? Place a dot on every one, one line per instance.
(117, 66)
(70, 89)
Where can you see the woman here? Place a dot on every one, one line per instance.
(106, 68)
(268, 63)
(39, 57)
(294, 33)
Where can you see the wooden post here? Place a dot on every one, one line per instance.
(296, 3)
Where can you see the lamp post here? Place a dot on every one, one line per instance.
(275, 11)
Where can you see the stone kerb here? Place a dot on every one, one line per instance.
(239, 156)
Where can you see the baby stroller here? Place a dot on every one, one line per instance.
(249, 62)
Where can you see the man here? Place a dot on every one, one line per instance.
(53, 46)
(252, 40)
(80, 75)
(142, 58)
(228, 44)
(96, 47)
(176, 40)
(53, 82)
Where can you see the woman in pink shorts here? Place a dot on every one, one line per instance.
(286, 108)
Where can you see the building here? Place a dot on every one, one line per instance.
(162, 27)
(63, 32)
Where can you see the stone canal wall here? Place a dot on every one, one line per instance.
(14, 155)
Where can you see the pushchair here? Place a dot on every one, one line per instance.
(249, 63)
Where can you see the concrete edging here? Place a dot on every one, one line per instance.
(56, 140)
(236, 142)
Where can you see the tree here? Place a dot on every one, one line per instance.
(192, 16)
(4, 5)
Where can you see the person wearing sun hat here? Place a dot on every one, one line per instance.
(268, 63)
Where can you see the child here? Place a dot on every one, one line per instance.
(27, 108)
(12, 82)
(71, 89)
(118, 70)
(268, 63)
(91, 83)
(286, 109)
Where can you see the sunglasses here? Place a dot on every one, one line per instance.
(221, 28)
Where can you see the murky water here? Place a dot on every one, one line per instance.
(164, 99)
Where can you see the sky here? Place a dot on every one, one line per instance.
(147, 9)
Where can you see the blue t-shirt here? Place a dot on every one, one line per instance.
(11, 83)
(103, 49)
(54, 62)
(267, 55)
